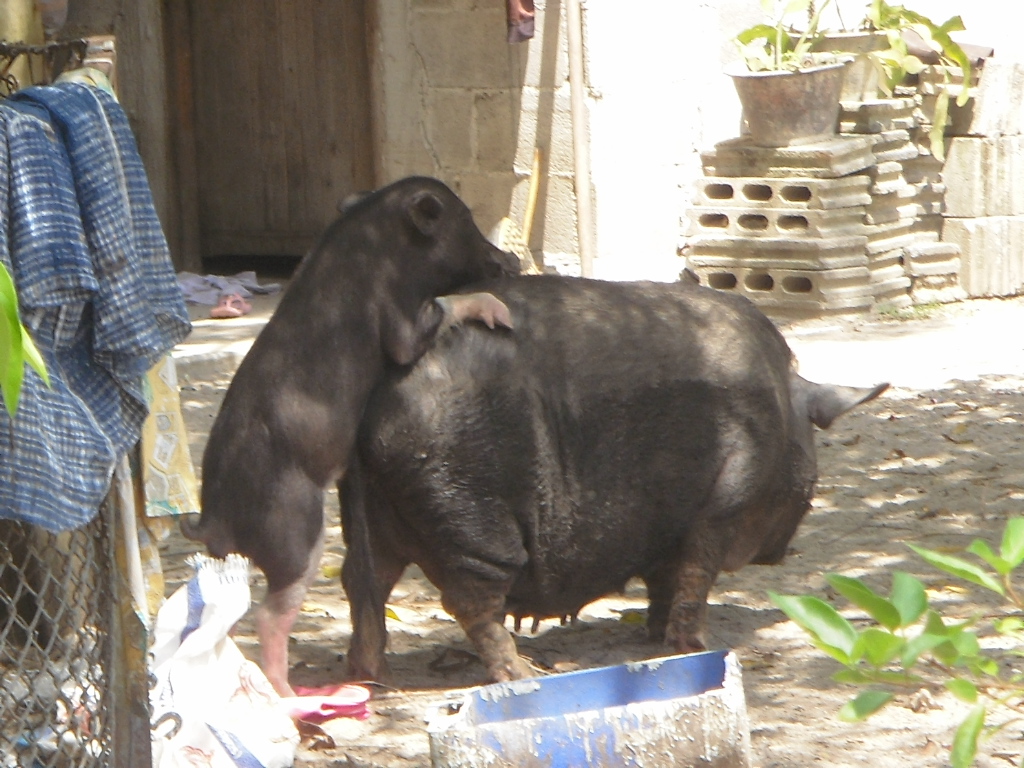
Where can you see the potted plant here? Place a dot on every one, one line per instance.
(789, 91)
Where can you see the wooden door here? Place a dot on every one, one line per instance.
(282, 127)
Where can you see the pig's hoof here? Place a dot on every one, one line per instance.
(656, 630)
(690, 645)
(512, 670)
(356, 672)
(482, 307)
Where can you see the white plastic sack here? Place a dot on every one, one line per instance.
(229, 713)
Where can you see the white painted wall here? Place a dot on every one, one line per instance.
(659, 96)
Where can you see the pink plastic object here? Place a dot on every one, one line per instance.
(318, 705)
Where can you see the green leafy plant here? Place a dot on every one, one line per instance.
(777, 46)
(908, 644)
(897, 62)
(16, 346)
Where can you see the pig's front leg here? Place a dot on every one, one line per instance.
(481, 614)
(484, 307)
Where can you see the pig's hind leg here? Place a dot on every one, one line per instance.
(275, 618)
(369, 573)
(702, 555)
(287, 548)
(367, 600)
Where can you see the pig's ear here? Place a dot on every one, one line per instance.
(825, 402)
(424, 212)
(351, 201)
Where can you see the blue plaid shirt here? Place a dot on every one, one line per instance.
(98, 292)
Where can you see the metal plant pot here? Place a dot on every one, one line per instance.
(784, 108)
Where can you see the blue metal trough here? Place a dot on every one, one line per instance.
(672, 711)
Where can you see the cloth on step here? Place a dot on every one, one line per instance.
(207, 289)
(168, 473)
(519, 15)
(81, 238)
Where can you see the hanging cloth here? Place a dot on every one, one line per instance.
(80, 235)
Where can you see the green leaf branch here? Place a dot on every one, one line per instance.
(16, 346)
(777, 46)
(896, 62)
(908, 644)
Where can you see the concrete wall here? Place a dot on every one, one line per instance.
(658, 96)
(455, 100)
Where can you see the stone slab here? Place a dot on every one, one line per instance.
(990, 112)
(889, 209)
(895, 150)
(940, 290)
(779, 290)
(886, 263)
(935, 77)
(830, 158)
(877, 116)
(890, 236)
(923, 168)
(886, 178)
(924, 250)
(810, 254)
(898, 298)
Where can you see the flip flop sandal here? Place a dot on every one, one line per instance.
(230, 305)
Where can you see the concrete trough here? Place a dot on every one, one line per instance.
(676, 710)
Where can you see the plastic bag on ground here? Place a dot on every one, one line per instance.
(211, 704)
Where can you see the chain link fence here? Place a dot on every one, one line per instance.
(72, 689)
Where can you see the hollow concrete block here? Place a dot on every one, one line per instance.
(799, 193)
(982, 177)
(775, 222)
(991, 253)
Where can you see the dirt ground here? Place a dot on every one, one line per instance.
(930, 462)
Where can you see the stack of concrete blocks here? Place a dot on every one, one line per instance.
(889, 218)
(875, 223)
(784, 226)
(984, 194)
(904, 221)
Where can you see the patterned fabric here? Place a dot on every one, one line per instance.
(168, 475)
(80, 235)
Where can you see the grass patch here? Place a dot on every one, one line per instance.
(913, 312)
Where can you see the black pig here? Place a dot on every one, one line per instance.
(620, 430)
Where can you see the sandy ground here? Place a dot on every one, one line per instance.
(937, 460)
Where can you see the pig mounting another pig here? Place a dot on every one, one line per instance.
(361, 300)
